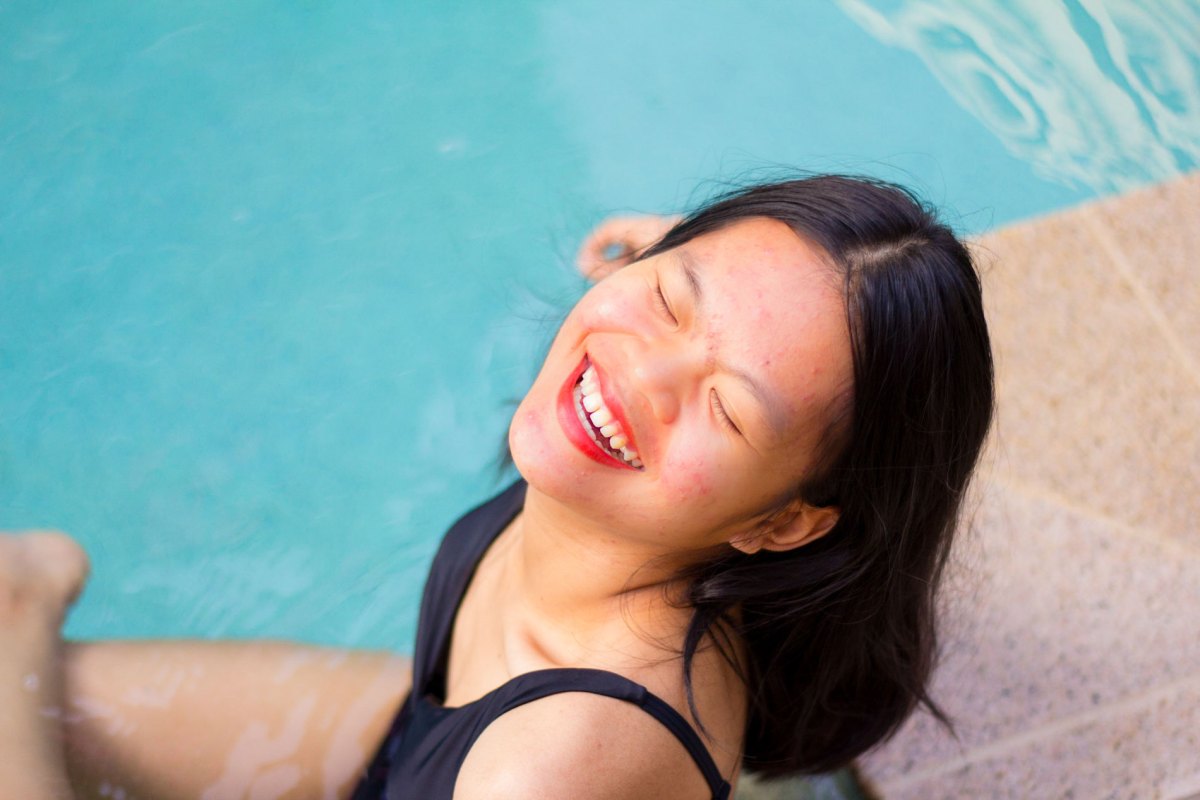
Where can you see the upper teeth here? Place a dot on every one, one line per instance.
(593, 405)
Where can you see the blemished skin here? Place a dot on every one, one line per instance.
(723, 360)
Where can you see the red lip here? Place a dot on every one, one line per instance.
(568, 420)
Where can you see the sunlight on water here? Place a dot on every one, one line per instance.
(1099, 93)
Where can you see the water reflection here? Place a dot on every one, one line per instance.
(1098, 93)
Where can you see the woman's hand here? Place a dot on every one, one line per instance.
(41, 574)
(618, 241)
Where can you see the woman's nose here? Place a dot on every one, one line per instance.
(664, 372)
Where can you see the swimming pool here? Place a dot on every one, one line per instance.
(271, 272)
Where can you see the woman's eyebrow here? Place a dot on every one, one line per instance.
(776, 413)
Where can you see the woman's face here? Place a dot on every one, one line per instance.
(721, 363)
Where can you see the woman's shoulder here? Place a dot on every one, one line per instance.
(595, 746)
(585, 746)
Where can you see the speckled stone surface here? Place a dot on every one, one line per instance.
(1139, 750)
(1096, 404)
(1059, 616)
(1072, 639)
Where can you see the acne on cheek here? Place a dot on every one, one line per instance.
(689, 480)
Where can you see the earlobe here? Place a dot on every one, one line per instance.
(794, 526)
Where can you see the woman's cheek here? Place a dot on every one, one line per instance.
(688, 476)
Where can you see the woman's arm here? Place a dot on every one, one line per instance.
(217, 720)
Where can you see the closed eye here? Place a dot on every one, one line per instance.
(660, 301)
(719, 410)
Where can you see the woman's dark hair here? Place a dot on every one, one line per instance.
(840, 634)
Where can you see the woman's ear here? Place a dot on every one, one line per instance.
(793, 526)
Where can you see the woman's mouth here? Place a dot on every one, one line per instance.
(604, 428)
(591, 425)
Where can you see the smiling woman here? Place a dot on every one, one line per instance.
(742, 464)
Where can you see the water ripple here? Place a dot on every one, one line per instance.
(1098, 93)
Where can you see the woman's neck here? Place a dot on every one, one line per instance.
(576, 581)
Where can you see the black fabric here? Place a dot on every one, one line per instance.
(421, 755)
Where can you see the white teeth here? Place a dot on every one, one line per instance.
(592, 402)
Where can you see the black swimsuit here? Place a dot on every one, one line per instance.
(423, 751)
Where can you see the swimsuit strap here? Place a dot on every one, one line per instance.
(656, 707)
(543, 683)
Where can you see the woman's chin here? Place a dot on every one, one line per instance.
(544, 456)
(534, 453)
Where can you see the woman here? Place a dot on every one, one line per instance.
(742, 460)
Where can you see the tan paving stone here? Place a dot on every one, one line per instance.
(1094, 403)
(1054, 616)
(1155, 240)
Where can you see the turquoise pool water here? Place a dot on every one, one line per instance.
(270, 273)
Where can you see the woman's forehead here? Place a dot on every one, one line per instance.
(762, 269)
(755, 244)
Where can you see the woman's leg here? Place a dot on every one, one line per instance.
(173, 718)
(213, 720)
